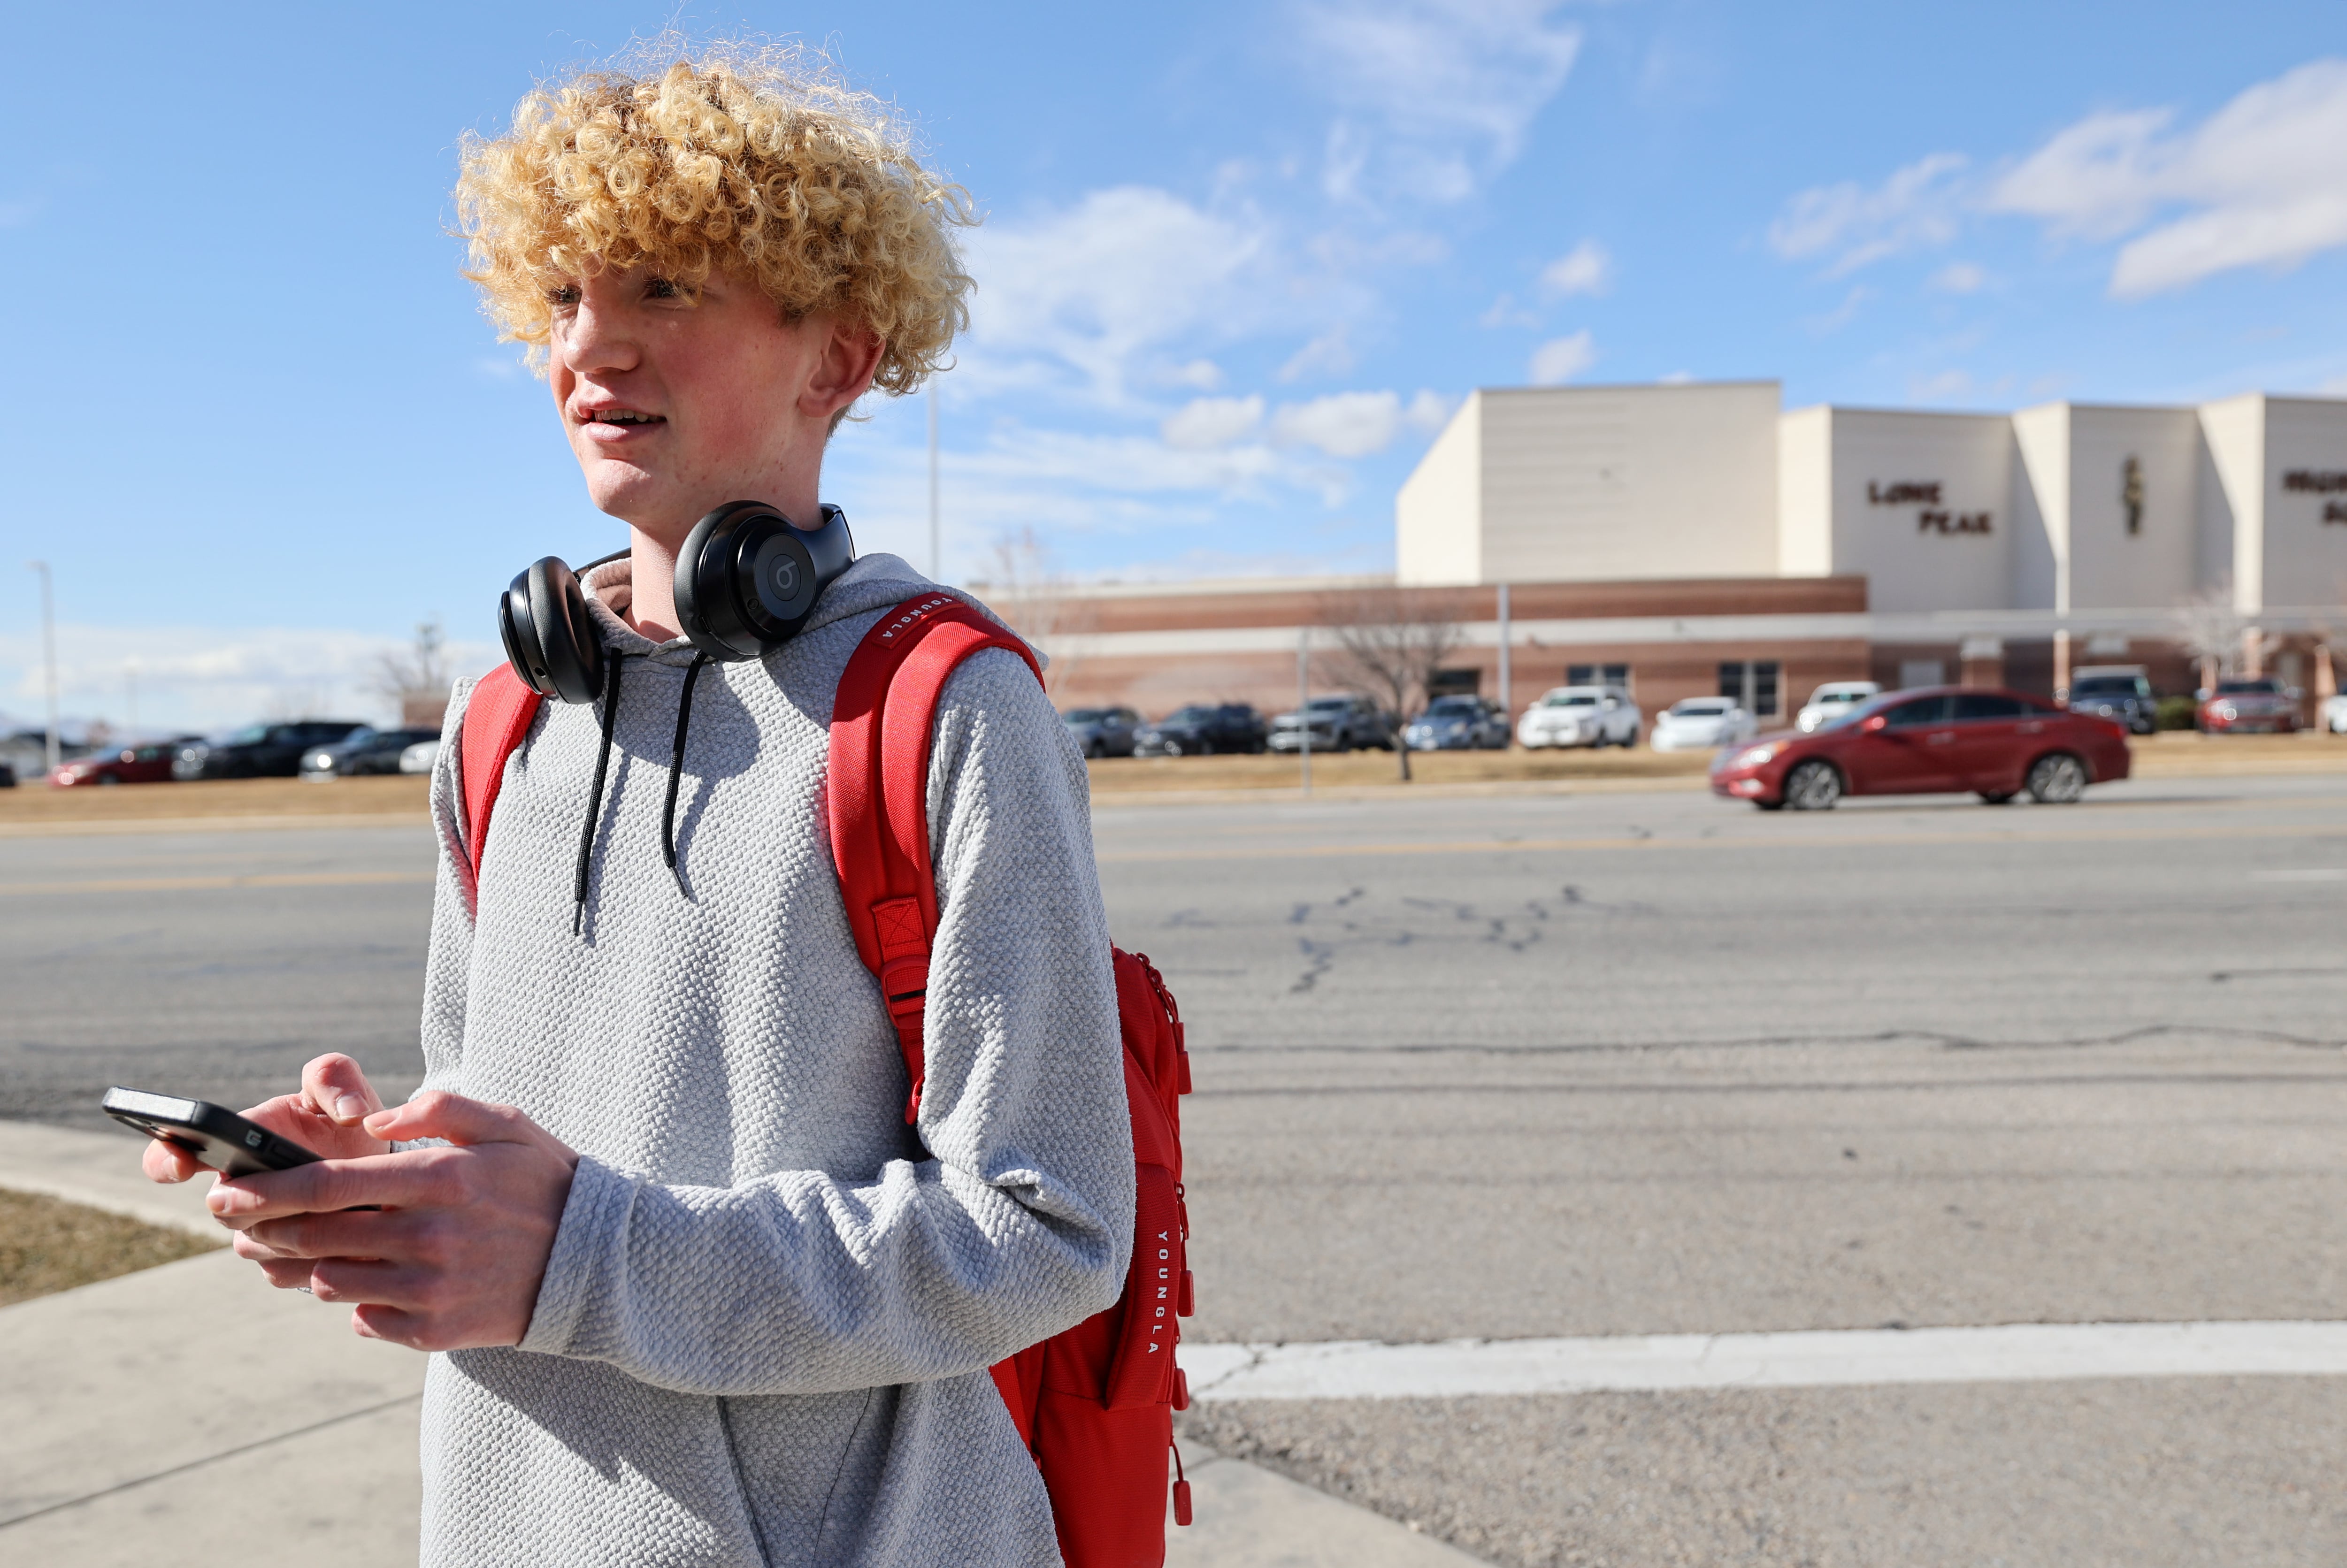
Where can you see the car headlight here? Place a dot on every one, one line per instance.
(1753, 756)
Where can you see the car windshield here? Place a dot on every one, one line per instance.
(2108, 686)
(360, 736)
(1086, 716)
(1570, 700)
(251, 735)
(1701, 707)
(1329, 704)
(1190, 715)
(2245, 688)
(1825, 694)
(1453, 707)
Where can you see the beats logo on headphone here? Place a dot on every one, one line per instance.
(746, 582)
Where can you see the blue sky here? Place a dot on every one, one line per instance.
(1238, 263)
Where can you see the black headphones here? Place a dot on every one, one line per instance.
(746, 582)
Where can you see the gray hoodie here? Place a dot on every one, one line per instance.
(764, 1332)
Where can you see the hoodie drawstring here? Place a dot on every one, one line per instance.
(675, 767)
(595, 799)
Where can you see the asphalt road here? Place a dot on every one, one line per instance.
(1591, 1064)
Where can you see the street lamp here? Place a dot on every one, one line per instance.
(48, 658)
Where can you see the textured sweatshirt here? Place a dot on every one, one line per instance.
(763, 1331)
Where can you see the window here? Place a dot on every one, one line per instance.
(1983, 705)
(1753, 683)
(1917, 711)
(1455, 684)
(1597, 675)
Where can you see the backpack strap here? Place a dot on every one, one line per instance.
(878, 785)
(496, 718)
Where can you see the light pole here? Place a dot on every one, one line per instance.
(936, 554)
(48, 658)
(1303, 700)
(1507, 709)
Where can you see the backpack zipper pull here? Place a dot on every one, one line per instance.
(1180, 1489)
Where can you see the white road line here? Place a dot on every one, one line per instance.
(2028, 1352)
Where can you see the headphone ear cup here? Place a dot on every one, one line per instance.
(569, 651)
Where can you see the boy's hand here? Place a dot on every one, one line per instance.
(452, 1251)
(325, 1118)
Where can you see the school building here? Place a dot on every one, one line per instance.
(1694, 538)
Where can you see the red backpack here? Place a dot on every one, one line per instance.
(1094, 1404)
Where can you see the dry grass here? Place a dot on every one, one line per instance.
(47, 1244)
(386, 795)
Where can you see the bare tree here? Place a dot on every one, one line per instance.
(1389, 646)
(1027, 591)
(415, 681)
(2208, 628)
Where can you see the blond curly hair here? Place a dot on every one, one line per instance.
(753, 161)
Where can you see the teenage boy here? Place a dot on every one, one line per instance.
(696, 1292)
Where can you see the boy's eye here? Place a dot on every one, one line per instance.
(661, 289)
(567, 294)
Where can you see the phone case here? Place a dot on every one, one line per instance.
(215, 1135)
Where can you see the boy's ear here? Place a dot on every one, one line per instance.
(842, 372)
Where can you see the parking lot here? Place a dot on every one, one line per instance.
(1610, 1064)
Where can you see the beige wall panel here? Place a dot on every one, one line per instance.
(2235, 430)
(1923, 507)
(2040, 508)
(2305, 544)
(1805, 493)
(2110, 567)
(1437, 514)
(1605, 484)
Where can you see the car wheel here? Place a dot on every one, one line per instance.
(1767, 805)
(1094, 749)
(2057, 779)
(1996, 797)
(1813, 786)
(107, 779)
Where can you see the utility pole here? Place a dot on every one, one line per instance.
(937, 547)
(48, 658)
(1304, 699)
(1507, 707)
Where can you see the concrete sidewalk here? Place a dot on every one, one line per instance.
(189, 1411)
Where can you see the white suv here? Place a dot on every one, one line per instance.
(1831, 701)
(1580, 716)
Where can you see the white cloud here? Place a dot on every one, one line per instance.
(1453, 86)
(1917, 207)
(1429, 412)
(1559, 359)
(1101, 289)
(1209, 423)
(1843, 314)
(2262, 182)
(1330, 354)
(1342, 424)
(1943, 387)
(1958, 278)
(1506, 313)
(1676, 378)
(1200, 375)
(1586, 269)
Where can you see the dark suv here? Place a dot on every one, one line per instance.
(1338, 725)
(259, 750)
(1201, 728)
(1103, 731)
(2120, 693)
(363, 750)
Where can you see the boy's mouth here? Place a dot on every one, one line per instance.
(616, 424)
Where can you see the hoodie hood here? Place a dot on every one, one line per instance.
(873, 581)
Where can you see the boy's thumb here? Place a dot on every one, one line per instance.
(436, 1114)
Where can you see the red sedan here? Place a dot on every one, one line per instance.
(1937, 739)
(2249, 707)
(131, 764)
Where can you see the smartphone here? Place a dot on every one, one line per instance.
(214, 1134)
